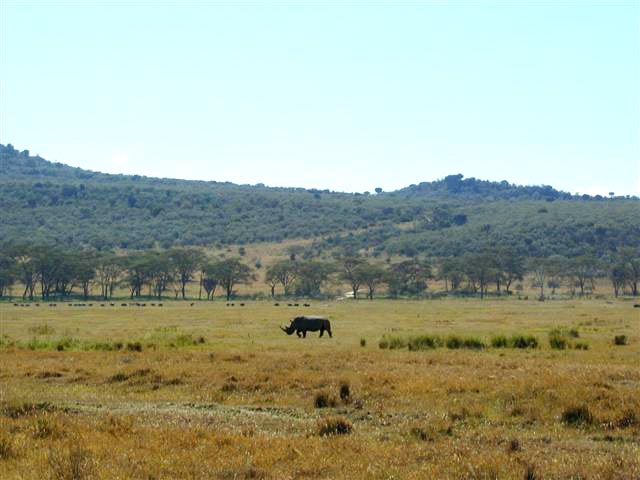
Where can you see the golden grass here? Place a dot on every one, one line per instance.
(241, 405)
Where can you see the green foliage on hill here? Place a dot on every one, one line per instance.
(45, 203)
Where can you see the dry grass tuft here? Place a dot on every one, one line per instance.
(577, 416)
(334, 426)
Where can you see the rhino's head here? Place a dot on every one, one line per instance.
(288, 330)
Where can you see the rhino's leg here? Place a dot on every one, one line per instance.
(304, 334)
(321, 332)
(329, 332)
(298, 333)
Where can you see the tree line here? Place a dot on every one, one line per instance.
(52, 272)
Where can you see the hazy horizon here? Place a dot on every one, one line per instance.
(346, 97)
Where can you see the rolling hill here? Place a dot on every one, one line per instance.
(45, 202)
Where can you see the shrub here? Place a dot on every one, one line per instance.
(557, 343)
(473, 343)
(345, 392)
(134, 347)
(324, 400)
(363, 342)
(454, 341)
(334, 426)
(499, 341)
(118, 377)
(581, 346)
(396, 343)
(383, 343)
(628, 419)
(522, 341)
(620, 340)
(577, 415)
(75, 463)
(6, 447)
(424, 342)
(574, 333)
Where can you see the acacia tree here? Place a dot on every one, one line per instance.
(631, 261)
(538, 267)
(284, 273)
(480, 269)
(209, 279)
(7, 274)
(409, 277)
(185, 262)
(372, 276)
(512, 267)
(618, 277)
(108, 270)
(231, 272)
(583, 271)
(311, 276)
(351, 273)
(452, 272)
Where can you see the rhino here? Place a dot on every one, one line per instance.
(308, 323)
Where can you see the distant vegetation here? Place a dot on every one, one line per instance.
(54, 204)
(55, 273)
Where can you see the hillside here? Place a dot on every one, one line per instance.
(48, 202)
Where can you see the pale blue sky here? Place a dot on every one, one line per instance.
(341, 95)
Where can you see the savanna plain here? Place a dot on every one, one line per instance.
(447, 388)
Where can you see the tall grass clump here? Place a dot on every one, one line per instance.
(472, 343)
(523, 341)
(577, 415)
(392, 343)
(620, 340)
(334, 426)
(424, 342)
(557, 341)
(499, 341)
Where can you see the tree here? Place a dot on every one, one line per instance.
(452, 272)
(480, 269)
(583, 271)
(85, 271)
(7, 274)
(311, 277)
(512, 266)
(209, 279)
(409, 277)
(350, 273)
(557, 268)
(284, 273)
(231, 272)
(538, 267)
(372, 276)
(631, 260)
(618, 276)
(108, 270)
(186, 262)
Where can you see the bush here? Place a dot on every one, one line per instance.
(577, 415)
(363, 342)
(581, 346)
(628, 419)
(6, 447)
(324, 400)
(574, 333)
(345, 392)
(522, 341)
(424, 342)
(558, 343)
(75, 463)
(620, 340)
(499, 341)
(134, 347)
(334, 426)
(392, 343)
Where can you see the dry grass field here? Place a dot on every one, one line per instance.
(210, 391)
